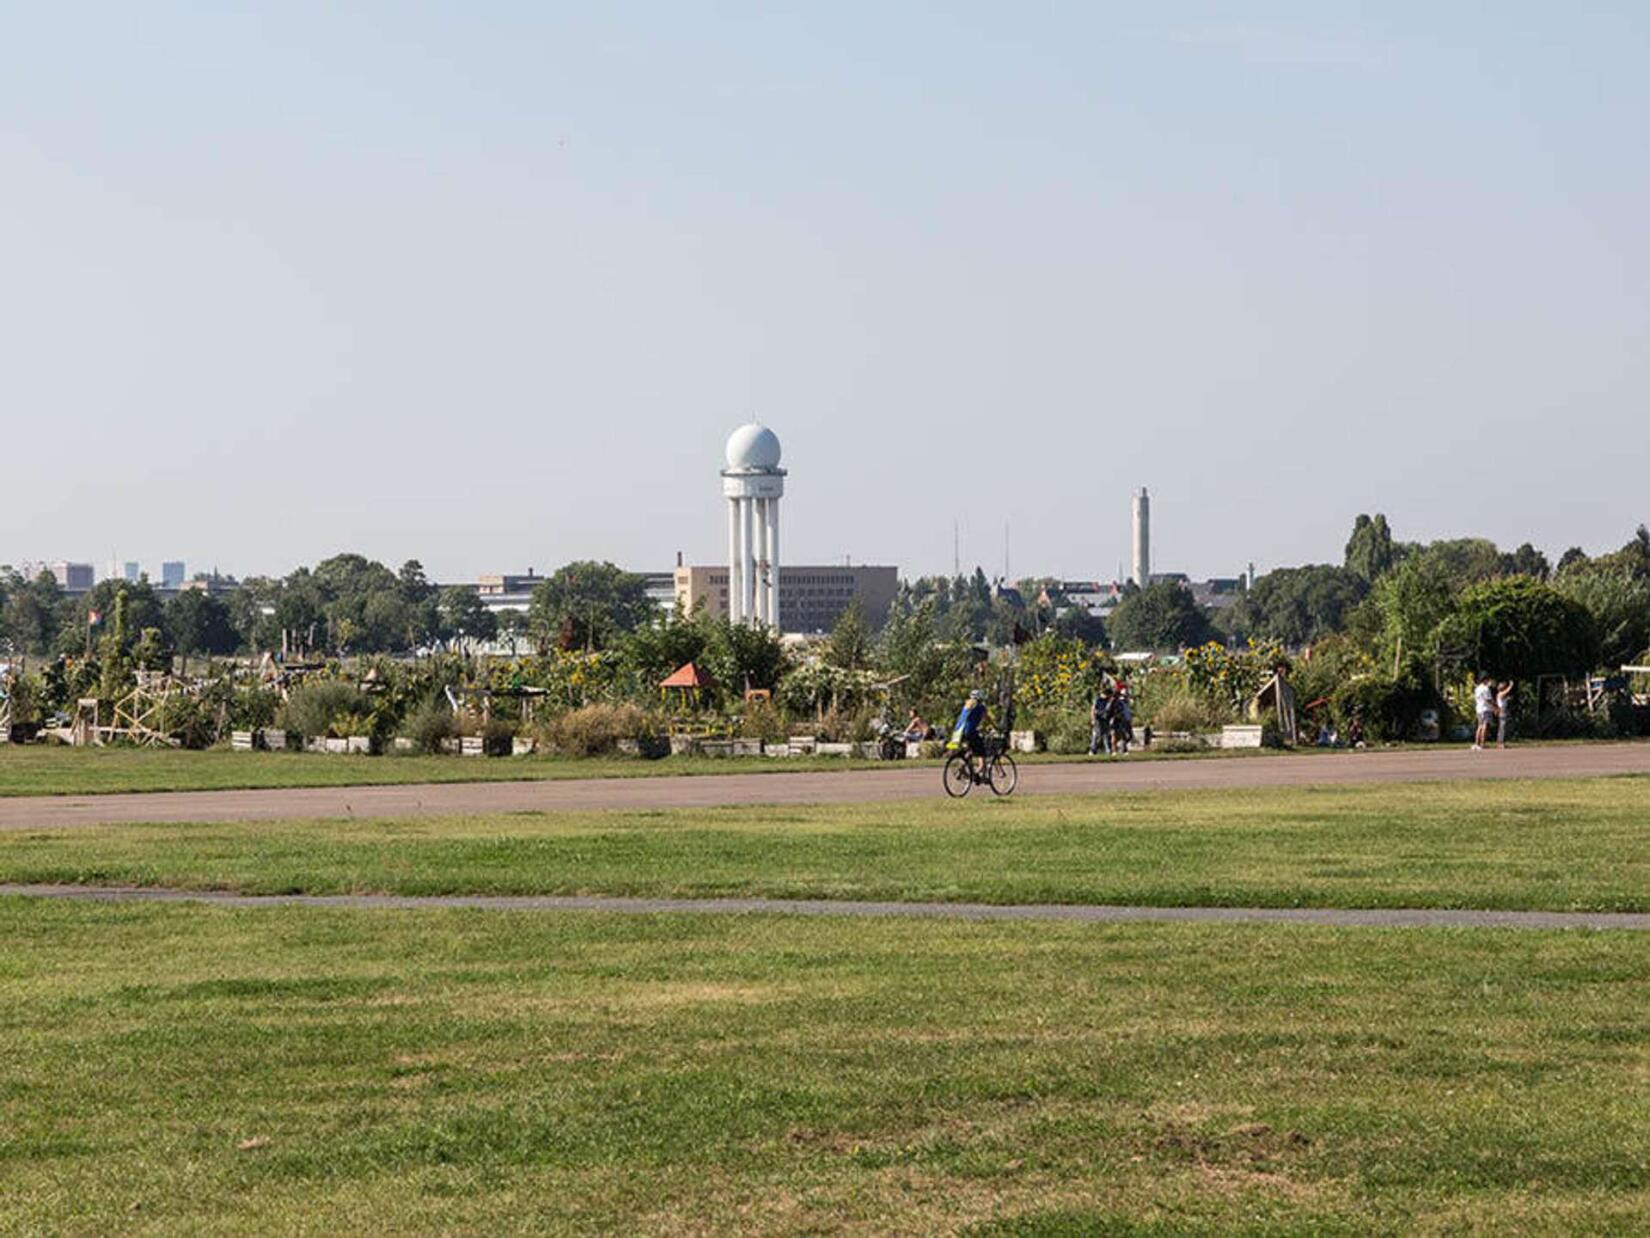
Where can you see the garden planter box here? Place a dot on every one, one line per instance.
(683, 745)
(272, 739)
(452, 746)
(1240, 737)
(360, 745)
(870, 750)
(1022, 741)
(472, 746)
(523, 746)
(401, 744)
(802, 745)
(716, 747)
(241, 741)
(834, 750)
(747, 747)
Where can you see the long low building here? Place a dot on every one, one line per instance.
(811, 599)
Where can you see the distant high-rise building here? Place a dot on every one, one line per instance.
(1141, 567)
(73, 577)
(130, 571)
(171, 574)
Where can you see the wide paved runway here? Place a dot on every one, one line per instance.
(849, 786)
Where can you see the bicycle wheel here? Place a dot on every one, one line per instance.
(1005, 775)
(959, 776)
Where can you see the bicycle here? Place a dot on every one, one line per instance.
(999, 771)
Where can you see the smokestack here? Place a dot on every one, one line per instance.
(1141, 572)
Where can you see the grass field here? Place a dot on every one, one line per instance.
(204, 1069)
(1581, 844)
(57, 770)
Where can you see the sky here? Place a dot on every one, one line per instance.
(489, 284)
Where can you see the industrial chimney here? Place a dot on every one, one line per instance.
(1141, 572)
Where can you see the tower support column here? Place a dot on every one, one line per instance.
(747, 562)
(773, 562)
(735, 596)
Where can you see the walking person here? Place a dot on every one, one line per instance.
(1503, 711)
(1483, 700)
(1122, 720)
(1100, 721)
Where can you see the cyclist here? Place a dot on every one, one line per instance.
(970, 731)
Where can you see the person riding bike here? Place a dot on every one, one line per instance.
(970, 730)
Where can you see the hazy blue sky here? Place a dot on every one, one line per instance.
(489, 284)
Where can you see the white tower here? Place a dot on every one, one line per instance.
(753, 483)
(1141, 568)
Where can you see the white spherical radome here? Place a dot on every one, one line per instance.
(753, 446)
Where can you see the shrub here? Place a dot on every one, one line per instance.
(762, 721)
(595, 729)
(251, 706)
(1186, 710)
(496, 737)
(1391, 708)
(315, 708)
(1067, 733)
(428, 724)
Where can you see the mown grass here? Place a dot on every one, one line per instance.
(214, 1070)
(1572, 844)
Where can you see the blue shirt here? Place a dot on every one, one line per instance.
(968, 721)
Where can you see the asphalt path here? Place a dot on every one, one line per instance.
(848, 786)
(1412, 917)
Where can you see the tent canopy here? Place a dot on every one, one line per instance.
(687, 676)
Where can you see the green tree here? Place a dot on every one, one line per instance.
(1369, 551)
(1467, 560)
(741, 658)
(1518, 628)
(1163, 615)
(667, 641)
(587, 605)
(1572, 558)
(464, 614)
(1412, 600)
(114, 651)
(31, 612)
(849, 647)
(1619, 603)
(197, 622)
(1298, 605)
(1526, 561)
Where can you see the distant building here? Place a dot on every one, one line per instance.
(212, 584)
(130, 572)
(1218, 593)
(661, 587)
(811, 599)
(1096, 598)
(505, 591)
(172, 574)
(73, 577)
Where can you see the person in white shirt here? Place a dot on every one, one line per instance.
(1483, 700)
